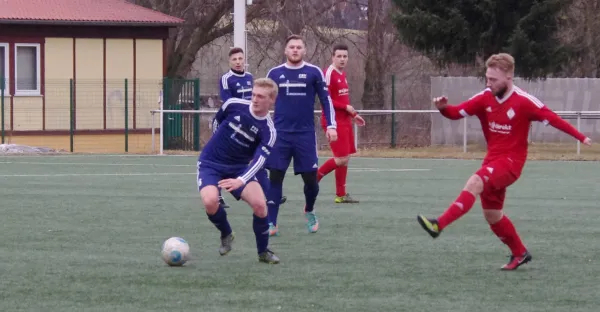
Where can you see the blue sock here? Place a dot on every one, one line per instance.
(261, 231)
(273, 201)
(311, 190)
(219, 219)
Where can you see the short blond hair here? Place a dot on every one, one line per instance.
(502, 61)
(267, 83)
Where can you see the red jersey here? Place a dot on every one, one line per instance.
(340, 95)
(505, 122)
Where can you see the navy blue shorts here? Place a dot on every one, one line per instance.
(209, 175)
(301, 146)
(263, 179)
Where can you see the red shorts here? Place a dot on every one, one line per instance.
(344, 145)
(497, 175)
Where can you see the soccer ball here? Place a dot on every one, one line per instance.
(175, 251)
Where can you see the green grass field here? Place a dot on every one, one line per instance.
(83, 233)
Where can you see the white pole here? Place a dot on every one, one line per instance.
(578, 129)
(355, 136)
(162, 129)
(464, 135)
(153, 135)
(239, 24)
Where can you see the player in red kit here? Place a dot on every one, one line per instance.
(505, 113)
(337, 84)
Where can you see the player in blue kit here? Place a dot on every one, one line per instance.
(232, 157)
(237, 83)
(299, 83)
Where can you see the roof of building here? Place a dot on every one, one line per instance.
(82, 12)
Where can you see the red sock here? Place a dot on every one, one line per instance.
(326, 168)
(340, 180)
(506, 232)
(459, 207)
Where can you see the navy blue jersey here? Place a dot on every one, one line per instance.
(235, 85)
(240, 138)
(295, 104)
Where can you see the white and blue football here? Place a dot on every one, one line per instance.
(175, 251)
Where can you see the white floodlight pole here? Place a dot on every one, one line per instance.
(239, 24)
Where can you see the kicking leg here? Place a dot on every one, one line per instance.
(463, 203)
(254, 196)
(217, 215)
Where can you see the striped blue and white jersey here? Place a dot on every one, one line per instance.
(241, 138)
(235, 84)
(298, 88)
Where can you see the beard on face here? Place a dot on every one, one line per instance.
(294, 60)
(502, 91)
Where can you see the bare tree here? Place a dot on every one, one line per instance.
(205, 21)
(582, 31)
(373, 97)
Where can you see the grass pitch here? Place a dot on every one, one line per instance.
(82, 233)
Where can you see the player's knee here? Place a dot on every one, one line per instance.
(211, 203)
(492, 216)
(474, 185)
(276, 176)
(259, 208)
(210, 198)
(342, 161)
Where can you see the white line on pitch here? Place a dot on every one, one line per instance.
(171, 173)
(173, 165)
(385, 169)
(90, 164)
(94, 174)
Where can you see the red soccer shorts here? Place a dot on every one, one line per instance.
(344, 145)
(497, 175)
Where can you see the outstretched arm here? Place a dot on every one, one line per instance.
(465, 109)
(539, 112)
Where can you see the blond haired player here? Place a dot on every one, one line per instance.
(505, 112)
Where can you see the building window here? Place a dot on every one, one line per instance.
(27, 69)
(4, 66)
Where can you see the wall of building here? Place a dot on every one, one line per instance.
(89, 143)
(99, 68)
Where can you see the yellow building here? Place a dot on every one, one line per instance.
(86, 61)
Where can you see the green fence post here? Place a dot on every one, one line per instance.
(2, 86)
(393, 142)
(126, 118)
(71, 113)
(197, 116)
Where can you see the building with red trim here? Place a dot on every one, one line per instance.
(98, 45)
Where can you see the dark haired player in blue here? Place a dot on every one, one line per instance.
(237, 83)
(232, 157)
(299, 83)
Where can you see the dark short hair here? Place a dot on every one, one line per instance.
(339, 46)
(293, 37)
(235, 51)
